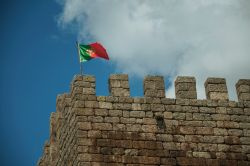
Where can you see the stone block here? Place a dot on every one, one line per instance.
(149, 121)
(171, 146)
(122, 106)
(207, 147)
(222, 117)
(125, 114)
(214, 139)
(179, 116)
(245, 140)
(105, 105)
(149, 114)
(91, 104)
(167, 101)
(221, 155)
(82, 133)
(235, 132)
(202, 154)
(128, 120)
(220, 131)
(82, 149)
(136, 107)
(204, 130)
(201, 116)
(84, 157)
(168, 115)
(207, 110)
(246, 132)
(120, 92)
(149, 128)
(193, 123)
(178, 138)
(101, 112)
(164, 137)
(232, 140)
(118, 151)
(88, 91)
(137, 114)
(79, 104)
(133, 127)
(102, 126)
(236, 148)
(83, 111)
(112, 160)
(103, 142)
(209, 123)
(244, 125)
(118, 77)
(168, 161)
(186, 95)
(115, 113)
(228, 124)
(112, 119)
(119, 127)
(94, 134)
(223, 147)
(84, 141)
(154, 93)
(157, 108)
(84, 125)
(138, 144)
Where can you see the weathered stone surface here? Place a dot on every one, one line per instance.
(232, 140)
(186, 95)
(150, 130)
(220, 131)
(102, 126)
(245, 140)
(243, 89)
(202, 154)
(84, 125)
(112, 119)
(177, 115)
(101, 112)
(137, 114)
(168, 115)
(115, 113)
(105, 105)
(216, 89)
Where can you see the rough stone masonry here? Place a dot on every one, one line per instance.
(119, 130)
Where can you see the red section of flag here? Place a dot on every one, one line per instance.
(99, 50)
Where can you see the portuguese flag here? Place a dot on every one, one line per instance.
(93, 50)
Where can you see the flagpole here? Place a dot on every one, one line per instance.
(78, 50)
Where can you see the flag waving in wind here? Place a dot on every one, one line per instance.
(93, 50)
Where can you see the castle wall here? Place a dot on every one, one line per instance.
(152, 130)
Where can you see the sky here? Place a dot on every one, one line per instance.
(39, 58)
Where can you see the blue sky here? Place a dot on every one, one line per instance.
(38, 61)
(39, 57)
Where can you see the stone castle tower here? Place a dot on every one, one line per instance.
(120, 130)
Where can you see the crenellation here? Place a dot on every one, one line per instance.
(243, 89)
(185, 88)
(118, 85)
(151, 130)
(154, 86)
(216, 89)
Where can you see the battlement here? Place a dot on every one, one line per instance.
(151, 130)
(154, 86)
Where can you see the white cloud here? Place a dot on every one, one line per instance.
(201, 38)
